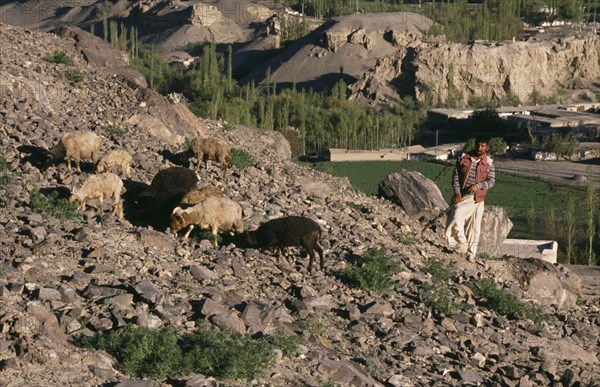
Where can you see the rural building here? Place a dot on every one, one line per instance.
(384, 154)
(180, 58)
(589, 150)
(440, 152)
(545, 118)
(443, 116)
(415, 152)
(527, 248)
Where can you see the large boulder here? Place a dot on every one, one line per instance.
(548, 284)
(495, 227)
(412, 191)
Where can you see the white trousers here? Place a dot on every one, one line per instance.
(464, 225)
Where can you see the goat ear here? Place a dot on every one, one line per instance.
(177, 210)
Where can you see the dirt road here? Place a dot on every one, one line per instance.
(562, 172)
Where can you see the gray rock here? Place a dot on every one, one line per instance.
(148, 291)
(345, 372)
(414, 192)
(202, 273)
(257, 316)
(95, 291)
(135, 383)
(200, 381)
(495, 227)
(49, 294)
(230, 321)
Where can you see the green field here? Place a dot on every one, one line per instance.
(516, 194)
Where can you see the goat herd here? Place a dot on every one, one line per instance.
(174, 198)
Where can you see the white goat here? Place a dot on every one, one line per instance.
(115, 158)
(102, 186)
(76, 146)
(213, 213)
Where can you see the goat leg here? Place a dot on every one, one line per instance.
(188, 231)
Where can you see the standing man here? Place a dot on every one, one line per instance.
(474, 174)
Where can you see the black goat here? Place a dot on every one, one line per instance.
(284, 232)
(167, 189)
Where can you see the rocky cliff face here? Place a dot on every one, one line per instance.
(570, 63)
(62, 279)
(493, 70)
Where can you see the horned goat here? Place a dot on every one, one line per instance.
(213, 213)
(75, 146)
(101, 187)
(115, 159)
(286, 232)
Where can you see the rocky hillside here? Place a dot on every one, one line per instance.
(63, 279)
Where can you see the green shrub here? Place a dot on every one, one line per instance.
(59, 57)
(142, 352)
(437, 295)
(52, 205)
(503, 302)
(439, 272)
(312, 324)
(241, 158)
(116, 130)
(374, 271)
(289, 345)
(4, 171)
(75, 76)
(225, 354)
(407, 239)
(198, 235)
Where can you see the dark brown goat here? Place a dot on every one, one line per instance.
(285, 232)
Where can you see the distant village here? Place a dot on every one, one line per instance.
(543, 120)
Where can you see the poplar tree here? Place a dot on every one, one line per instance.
(114, 34)
(123, 37)
(105, 27)
(570, 227)
(590, 217)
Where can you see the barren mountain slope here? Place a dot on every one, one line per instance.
(62, 279)
(172, 24)
(345, 47)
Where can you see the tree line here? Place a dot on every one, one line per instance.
(320, 120)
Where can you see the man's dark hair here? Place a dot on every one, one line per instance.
(482, 140)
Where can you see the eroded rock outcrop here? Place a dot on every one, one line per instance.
(491, 70)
